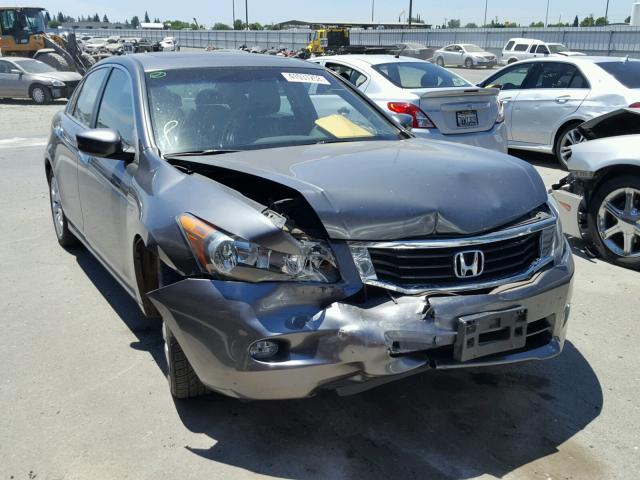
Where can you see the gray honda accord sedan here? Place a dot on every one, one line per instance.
(292, 237)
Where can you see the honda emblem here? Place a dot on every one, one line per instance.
(468, 264)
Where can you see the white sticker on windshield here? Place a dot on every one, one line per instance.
(305, 78)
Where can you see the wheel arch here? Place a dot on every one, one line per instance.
(610, 172)
(146, 269)
(559, 130)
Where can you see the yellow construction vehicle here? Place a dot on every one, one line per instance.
(329, 40)
(23, 34)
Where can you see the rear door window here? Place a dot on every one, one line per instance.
(542, 49)
(627, 73)
(533, 49)
(88, 97)
(557, 75)
(521, 47)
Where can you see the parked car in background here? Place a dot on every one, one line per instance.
(464, 54)
(29, 78)
(292, 237)
(443, 105)
(169, 44)
(545, 99)
(600, 199)
(95, 45)
(414, 50)
(524, 48)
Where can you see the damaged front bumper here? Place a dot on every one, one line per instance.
(329, 340)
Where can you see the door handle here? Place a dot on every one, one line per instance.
(563, 99)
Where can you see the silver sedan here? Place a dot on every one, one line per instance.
(443, 105)
(29, 78)
(464, 54)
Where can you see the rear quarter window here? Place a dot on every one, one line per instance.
(521, 47)
(627, 73)
(509, 46)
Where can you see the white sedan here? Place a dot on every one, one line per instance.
(600, 199)
(545, 99)
(443, 105)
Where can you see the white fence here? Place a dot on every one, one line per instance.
(610, 40)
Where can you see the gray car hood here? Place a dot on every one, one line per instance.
(62, 76)
(389, 190)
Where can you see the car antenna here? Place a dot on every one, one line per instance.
(402, 49)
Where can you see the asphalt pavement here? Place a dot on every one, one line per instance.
(84, 395)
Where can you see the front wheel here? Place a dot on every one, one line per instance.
(566, 138)
(614, 221)
(440, 61)
(41, 95)
(60, 223)
(183, 381)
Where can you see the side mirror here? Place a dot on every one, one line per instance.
(404, 120)
(15, 71)
(103, 142)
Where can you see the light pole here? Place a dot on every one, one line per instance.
(546, 18)
(410, 11)
(233, 12)
(373, 6)
(246, 13)
(486, 5)
(606, 14)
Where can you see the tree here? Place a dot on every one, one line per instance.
(238, 25)
(105, 19)
(221, 26)
(156, 20)
(588, 21)
(255, 26)
(60, 17)
(537, 24)
(53, 23)
(576, 22)
(601, 22)
(453, 23)
(135, 21)
(146, 17)
(47, 17)
(471, 25)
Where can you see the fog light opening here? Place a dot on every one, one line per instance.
(263, 349)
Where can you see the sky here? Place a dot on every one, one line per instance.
(272, 11)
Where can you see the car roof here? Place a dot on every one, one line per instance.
(21, 60)
(372, 59)
(178, 60)
(579, 59)
(520, 39)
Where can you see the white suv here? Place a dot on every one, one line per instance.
(523, 48)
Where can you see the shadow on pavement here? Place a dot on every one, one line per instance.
(28, 101)
(436, 425)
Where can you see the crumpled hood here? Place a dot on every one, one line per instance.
(389, 190)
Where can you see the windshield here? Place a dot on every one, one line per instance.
(419, 75)
(242, 108)
(22, 21)
(472, 48)
(627, 73)
(557, 47)
(34, 66)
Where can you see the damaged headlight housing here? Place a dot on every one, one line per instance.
(222, 254)
(553, 238)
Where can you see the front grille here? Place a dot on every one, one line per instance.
(435, 266)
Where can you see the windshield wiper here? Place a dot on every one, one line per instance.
(198, 153)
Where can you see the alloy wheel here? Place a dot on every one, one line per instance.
(38, 95)
(572, 137)
(56, 208)
(618, 222)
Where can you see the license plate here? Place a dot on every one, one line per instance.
(488, 333)
(467, 118)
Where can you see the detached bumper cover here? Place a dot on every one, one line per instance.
(330, 342)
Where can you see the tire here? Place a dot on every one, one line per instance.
(183, 381)
(88, 60)
(440, 62)
(65, 238)
(568, 135)
(40, 95)
(54, 60)
(614, 192)
(468, 63)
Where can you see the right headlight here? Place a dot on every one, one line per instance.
(223, 254)
(555, 238)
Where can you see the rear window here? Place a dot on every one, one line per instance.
(419, 75)
(627, 73)
(521, 47)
